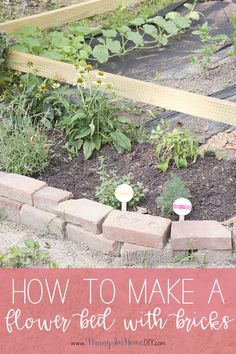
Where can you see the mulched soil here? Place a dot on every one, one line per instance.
(212, 182)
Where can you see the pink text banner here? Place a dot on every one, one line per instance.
(67, 311)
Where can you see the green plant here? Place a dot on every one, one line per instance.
(109, 181)
(3, 214)
(125, 14)
(173, 189)
(234, 34)
(5, 44)
(210, 47)
(43, 98)
(188, 257)
(79, 42)
(158, 78)
(95, 120)
(177, 146)
(27, 255)
(24, 146)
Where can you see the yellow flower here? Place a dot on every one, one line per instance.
(82, 71)
(109, 85)
(42, 88)
(101, 73)
(80, 81)
(99, 81)
(88, 67)
(77, 65)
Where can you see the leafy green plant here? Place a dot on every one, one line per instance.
(5, 44)
(3, 214)
(234, 34)
(189, 256)
(95, 120)
(173, 189)
(177, 146)
(109, 181)
(24, 146)
(81, 42)
(210, 46)
(28, 255)
(43, 98)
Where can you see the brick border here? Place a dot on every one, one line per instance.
(133, 236)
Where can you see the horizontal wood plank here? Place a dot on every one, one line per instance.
(65, 15)
(149, 93)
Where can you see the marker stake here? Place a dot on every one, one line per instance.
(182, 207)
(124, 206)
(124, 193)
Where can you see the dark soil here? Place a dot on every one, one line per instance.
(211, 182)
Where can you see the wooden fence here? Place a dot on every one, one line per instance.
(149, 93)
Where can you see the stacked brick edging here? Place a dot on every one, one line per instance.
(130, 235)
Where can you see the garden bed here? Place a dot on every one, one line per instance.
(211, 182)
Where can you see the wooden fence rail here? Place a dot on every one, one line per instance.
(149, 93)
(65, 15)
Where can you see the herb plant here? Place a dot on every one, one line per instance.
(173, 189)
(177, 146)
(109, 181)
(23, 145)
(95, 120)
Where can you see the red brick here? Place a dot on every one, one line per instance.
(19, 187)
(199, 235)
(48, 198)
(143, 230)
(96, 243)
(86, 213)
(41, 220)
(11, 208)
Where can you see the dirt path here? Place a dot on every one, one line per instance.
(63, 253)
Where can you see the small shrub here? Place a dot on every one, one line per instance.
(173, 189)
(23, 145)
(109, 181)
(177, 146)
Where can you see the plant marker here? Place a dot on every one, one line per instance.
(124, 193)
(182, 207)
